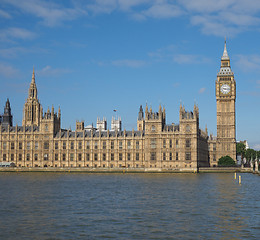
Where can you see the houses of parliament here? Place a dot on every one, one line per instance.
(41, 142)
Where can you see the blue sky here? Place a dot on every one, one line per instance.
(93, 56)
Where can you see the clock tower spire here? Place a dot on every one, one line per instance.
(226, 110)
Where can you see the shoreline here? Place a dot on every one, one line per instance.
(126, 170)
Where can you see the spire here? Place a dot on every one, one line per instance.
(141, 113)
(33, 88)
(225, 54)
(59, 113)
(33, 76)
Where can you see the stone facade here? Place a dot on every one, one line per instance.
(225, 86)
(41, 142)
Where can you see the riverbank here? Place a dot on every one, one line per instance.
(126, 170)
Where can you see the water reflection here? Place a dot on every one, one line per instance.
(128, 206)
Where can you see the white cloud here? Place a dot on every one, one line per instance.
(202, 90)
(13, 52)
(189, 59)
(256, 146)
(220, 18)
(162, 10)
(51, 13)
(128, 63)
(48, 71)
(8, 71)
(4, 14)
(16, 33)
(248, 62)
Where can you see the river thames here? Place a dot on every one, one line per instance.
(129, 206)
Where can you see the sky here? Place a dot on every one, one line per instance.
(94, 56)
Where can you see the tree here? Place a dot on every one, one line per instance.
(250, 154)
(241, 149)
(226, 161)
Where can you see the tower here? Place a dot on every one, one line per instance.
(140, 120)
(7, 116)
(32, 112)
(101, 124)
(226, 112)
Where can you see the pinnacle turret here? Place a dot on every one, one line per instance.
(225, 54)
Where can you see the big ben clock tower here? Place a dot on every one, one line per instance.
(226, 110)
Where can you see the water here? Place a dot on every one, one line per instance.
(129, 206)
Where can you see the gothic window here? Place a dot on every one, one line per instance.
(36, 145)
(12, 157)
(56, 145)
(177, 156)
(120, 157)
(112, 156)
(177, 143)
(46, 128)
(71, 145)
(28, 146)
(112, 144)
(4, 145)
(12, 145)
(187, 128)
(20, 145)
(79, 145)
(170, 156)
(137, 156)
(153, 128)
(79, 157)
(153, 143)
(27, 157)
(87, 156)
(56, 157)
(128, 144)
(46, 145)
(153, 156)
(71, 157)
(64, 145)
(187, 156)
(87, 144)
(64, 157)
(164, 156)
(128, 156)
(170, 144)
(95, 157)
(120, 145)
(187, 143)
(164, 143)
(104, 145)
(214, 146)
(104, 157)
(137, 145)
(20, 157)
(96, 145)
(4, 157)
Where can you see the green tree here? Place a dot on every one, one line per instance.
(226, 161)
(241, 149)
(250, 154)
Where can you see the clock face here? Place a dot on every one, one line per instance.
(225, 89)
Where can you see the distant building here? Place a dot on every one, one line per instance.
(116, 124)
(101, 124)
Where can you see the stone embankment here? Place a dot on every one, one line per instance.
(127, 170)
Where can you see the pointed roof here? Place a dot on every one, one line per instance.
(225, 54)
(33, 76)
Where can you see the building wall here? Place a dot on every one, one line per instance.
(33, 146)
